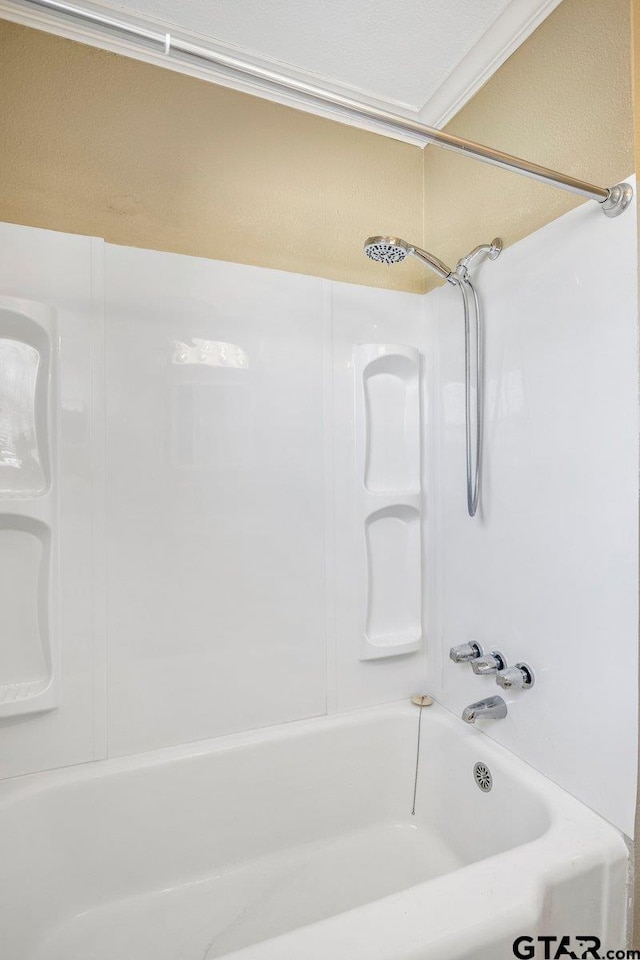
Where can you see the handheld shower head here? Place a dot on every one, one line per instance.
(386, 249)
(394, 250)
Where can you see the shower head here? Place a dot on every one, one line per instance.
(386, 249)
(394, 250)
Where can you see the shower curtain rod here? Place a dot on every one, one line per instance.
(613, 200)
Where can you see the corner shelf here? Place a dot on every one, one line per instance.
(388, 459)
(29, 675)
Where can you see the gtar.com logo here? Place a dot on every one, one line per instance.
(574, 948)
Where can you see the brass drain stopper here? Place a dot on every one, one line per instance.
(421, 700)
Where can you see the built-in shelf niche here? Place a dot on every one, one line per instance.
(29, 681)
(25, 361)
(388, 464)
(393, 607)
(391, 423)
(26, 666)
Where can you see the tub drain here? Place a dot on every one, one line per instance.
(482, 776)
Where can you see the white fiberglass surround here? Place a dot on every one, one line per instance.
(548, 571)
(298, 841)
(209, 511)
(210, 576)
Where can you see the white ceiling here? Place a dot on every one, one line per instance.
(420, 58)
(396, 54)
(400, 52)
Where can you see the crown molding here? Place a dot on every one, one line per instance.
(504, 36)
(508, 31)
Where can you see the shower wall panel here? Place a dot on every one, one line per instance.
(214, 496)
(211, 553)
(234, 562)
(548, 570)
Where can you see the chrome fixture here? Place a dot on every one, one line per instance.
(519, 677)
(394, 250)
(391, 250)
(465, 652)
(482, 776)
(492, 250)
(489, 663)
(168, 47)
(492, 708)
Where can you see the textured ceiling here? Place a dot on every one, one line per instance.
(421, 59)
(400, 52)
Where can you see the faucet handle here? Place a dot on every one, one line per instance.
(490, 663)
(465, 652)
(520, 677)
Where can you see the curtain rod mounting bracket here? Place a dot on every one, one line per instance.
(620, 196)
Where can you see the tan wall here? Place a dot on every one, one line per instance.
(562, 100)
(95, 143)
(635, 64)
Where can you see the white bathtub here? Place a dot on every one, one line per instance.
(297, 843)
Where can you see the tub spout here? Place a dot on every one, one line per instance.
(493, 708)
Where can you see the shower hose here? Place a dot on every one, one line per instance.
(469, 295)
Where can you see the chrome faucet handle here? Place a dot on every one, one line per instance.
(465, 652)
(519, 677)
(489, 663)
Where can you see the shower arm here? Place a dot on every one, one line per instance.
(613, 200)
(491, 250)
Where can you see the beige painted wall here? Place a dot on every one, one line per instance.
(635, 63)
(95, 143)
(562, 100)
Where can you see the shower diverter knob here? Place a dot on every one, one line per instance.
(490, 663)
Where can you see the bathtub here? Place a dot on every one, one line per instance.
(298, 843)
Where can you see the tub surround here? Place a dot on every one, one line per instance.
(241, 499)
(211, 406)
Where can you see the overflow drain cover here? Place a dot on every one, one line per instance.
(482, 776)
